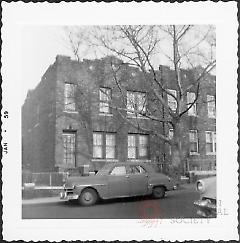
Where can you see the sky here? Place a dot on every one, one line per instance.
(39, 47)
(40, 44)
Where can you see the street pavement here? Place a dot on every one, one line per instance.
(176, 204)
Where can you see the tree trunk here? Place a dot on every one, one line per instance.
(177, 152)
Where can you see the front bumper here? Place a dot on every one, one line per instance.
(68, 196)
(206, 208)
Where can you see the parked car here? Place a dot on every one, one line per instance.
(116, 180)
(206, 205)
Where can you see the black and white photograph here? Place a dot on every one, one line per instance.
(120, 123)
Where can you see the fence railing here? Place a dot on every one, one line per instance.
(45, 179)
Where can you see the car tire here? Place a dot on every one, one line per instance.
(158, 192)
(88, 197)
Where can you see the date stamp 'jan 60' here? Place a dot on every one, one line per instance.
(119, 121)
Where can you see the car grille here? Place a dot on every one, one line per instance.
(68, 190)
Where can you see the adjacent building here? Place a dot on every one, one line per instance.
(68, 121)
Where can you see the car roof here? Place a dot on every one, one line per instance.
(146, 165)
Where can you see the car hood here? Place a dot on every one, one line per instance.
(84, 180)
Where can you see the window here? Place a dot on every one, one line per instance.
(210, 142)
(110, 146)
(211, 106)
(119, 170)
(143, 146)
(69, 97)
(193, 139)
(132, 146)
(136, 169)
(172, 103)
(104, 97)
(104, 145)
(69, 145)
(137, 146)
(136, 103)
(190, 99)
(170, 136)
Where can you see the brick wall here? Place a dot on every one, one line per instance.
(43, 145)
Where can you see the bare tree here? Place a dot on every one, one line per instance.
(143, 47)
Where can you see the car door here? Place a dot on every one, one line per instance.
(118, 182)
(138, 178)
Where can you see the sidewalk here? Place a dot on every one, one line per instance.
(42, 200)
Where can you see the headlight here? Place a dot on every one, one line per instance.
(200, 186)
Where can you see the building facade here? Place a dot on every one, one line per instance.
(69, 120)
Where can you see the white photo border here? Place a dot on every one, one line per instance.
(221, 14)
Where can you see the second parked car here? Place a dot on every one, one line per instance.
(207, 204)
(116, 180)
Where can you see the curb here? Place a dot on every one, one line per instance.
(45, 200)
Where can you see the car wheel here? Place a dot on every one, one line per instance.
(88, 197)
(158, 192)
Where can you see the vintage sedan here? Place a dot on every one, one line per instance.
(206, 205)
(116, 180)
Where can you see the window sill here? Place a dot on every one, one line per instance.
(193, 153)
(73, 112)
(139, 160)
(211, 153)
(105, 114)
(104, 160)
(137, 117)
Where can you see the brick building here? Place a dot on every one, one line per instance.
(67, 121)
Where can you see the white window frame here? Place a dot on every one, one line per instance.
(69, 97)
(191, 96)
(196, 133)
(211, 106)
(97, 145)
(104, 100)
(212, 142)
(105, 146)
(110, 147)
(136, 102)
(137, 146)
(172, 103)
